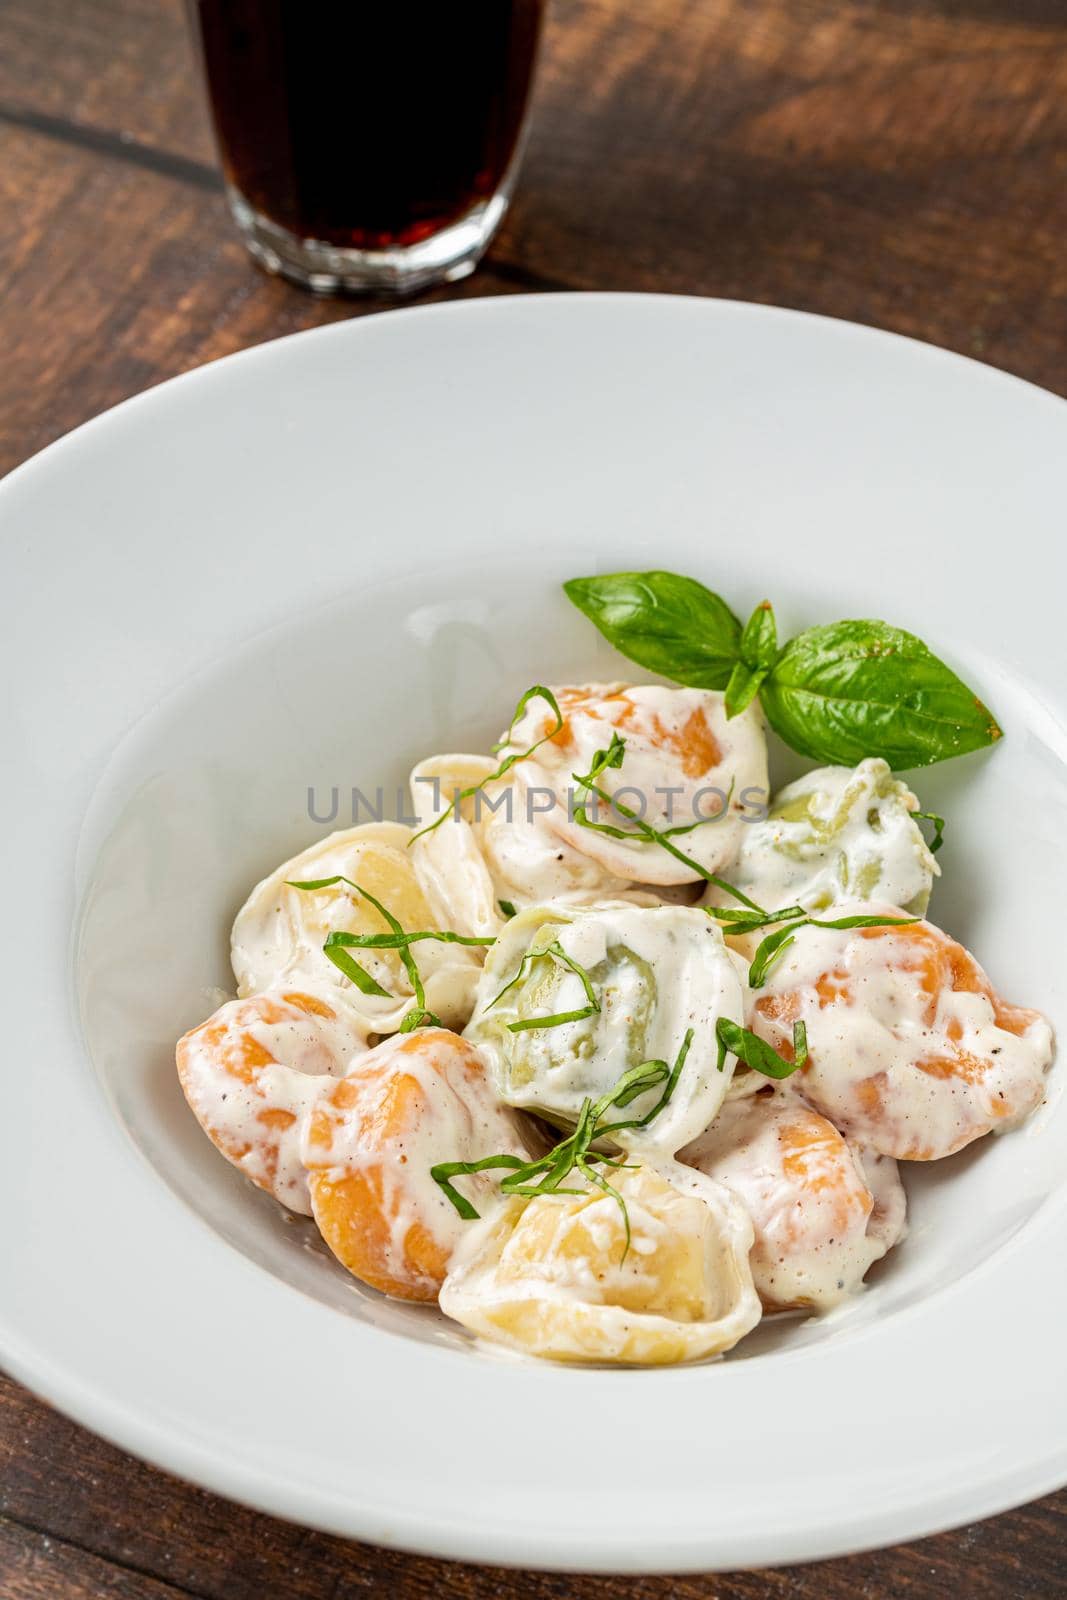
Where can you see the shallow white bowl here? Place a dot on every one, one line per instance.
(310, 564)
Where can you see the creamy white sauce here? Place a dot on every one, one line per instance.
(888, 1222)
(822, 1211)
(253, 1072)
(553, 1277)
(911, 1053)
(449, 861)
(498, 846)
(449, 1112)
(903, 1056)
(835, 834)
(656, 973)
(684, 761)
(280, 931)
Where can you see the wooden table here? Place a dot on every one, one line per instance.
(899, 162)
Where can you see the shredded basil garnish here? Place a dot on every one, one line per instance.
(546, 1175)
(536, 692)
(554, 952)
(743, 921)
(335, 951)
(398, 941)
(776, 944)
(939, 829)
(756, 1052)
(613, 757)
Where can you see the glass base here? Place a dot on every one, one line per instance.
(452, 253)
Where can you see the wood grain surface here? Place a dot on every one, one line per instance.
(899, 162)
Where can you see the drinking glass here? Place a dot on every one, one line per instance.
(368, 146)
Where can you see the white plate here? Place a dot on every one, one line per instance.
(309, 564)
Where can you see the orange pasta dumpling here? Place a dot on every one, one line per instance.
(414, 1101)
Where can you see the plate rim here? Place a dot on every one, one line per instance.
(348, 327)
(107, 1416)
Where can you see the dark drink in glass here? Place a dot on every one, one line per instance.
(368, 146)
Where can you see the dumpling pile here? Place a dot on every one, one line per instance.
(515, 1061)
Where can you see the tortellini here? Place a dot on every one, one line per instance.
(498, 849)
(823, 1210)
(371, 1142)
(836, 834)
(587, 1173)
(280, 931)
(554, 1276)
(571, 998)
(910, 1049)
(683, 762)
(253, 1072)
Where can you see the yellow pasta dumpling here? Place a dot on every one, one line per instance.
(280, 931)
(556, 1275)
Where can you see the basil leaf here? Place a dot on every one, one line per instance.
(613, 757)
(669, 624)
(556, 1020)
(743, 687)
(444, 1171)
(756, 1053)
(740, 920)
(354, 972)
(400, 941)
(770, 950)
(575, 1151)
(537, 692)
(939, 828)
(854, 689)
(774, 946)
(334, 951)
(862, 922)
(759, 647)
(759, 642)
